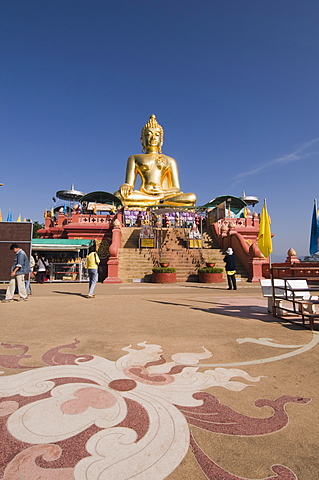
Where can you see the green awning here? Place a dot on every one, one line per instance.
(60, 244)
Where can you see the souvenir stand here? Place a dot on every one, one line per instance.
(66, 258)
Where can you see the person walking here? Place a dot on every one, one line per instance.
(20, 268)
(92, 264)
(230, 266)
(31, 275)
(42, 264)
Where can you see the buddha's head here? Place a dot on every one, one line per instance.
(152, 136)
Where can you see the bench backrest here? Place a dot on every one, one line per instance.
(266, 287)
(298, 284)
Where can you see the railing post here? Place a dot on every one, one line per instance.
(113, 261)
(256, 264)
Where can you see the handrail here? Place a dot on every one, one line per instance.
(301, 270)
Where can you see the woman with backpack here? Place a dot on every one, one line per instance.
(42, 265)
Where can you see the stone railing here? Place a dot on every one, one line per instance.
(241, 235)
(225, 224)
(95, 219)
(80, 219)
(292, 267)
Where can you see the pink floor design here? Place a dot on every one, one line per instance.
(89, 418)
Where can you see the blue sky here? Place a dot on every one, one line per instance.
(234, 83)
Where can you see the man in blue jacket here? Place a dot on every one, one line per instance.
(20, 268)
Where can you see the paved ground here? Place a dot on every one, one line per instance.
(148, 382)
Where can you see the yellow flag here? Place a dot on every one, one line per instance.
(19, 218)
(0, 215)
(264, 234)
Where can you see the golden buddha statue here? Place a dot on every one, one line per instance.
(158, 173)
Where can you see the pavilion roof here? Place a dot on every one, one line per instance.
(101, 197)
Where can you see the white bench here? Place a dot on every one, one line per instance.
(266, 288)
(298, 291)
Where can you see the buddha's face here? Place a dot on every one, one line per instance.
(152, 138)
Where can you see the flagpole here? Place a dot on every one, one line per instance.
(265, 202)
(264, 234)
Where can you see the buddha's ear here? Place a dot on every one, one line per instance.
(162, 141)
(142, 142)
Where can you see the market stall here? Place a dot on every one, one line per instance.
(66, 258)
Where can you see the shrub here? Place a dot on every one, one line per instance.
(210, 260)
(210, 270)
(163, 270)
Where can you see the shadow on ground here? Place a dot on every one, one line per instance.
(70, 293)
(255, 312)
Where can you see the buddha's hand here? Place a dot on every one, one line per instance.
(173, 190)
(126, 189)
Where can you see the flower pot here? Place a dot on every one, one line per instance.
(210, 264)
(210, 277)
(164, 277)
(164, 264)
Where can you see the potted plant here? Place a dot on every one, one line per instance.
(164, 275)
(210, 262)
(163, 262)
(210, 275)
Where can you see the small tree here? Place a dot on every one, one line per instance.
(311, 258)
(36, 226)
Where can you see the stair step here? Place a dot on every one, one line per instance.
(138, 263)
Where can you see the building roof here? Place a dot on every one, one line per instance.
(230, 200)
(70, 195)
(60, 244)
(102, 197)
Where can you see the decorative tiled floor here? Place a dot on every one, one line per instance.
(142, 416)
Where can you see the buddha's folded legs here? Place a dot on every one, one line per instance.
(138, 198)
(186, 199)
